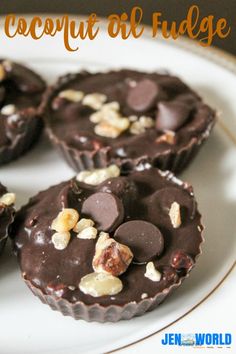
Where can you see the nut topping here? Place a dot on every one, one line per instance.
(107, 130)
(72, 95)
(110, 123)
(8, 110)
(168, 137)
(61, 240)
(110, 256)
(65, 220)
(140, 126)
(175, 215)
(94, 100)
(152, 273)
(83, 224)
(100, 284)
(97, 176)
(88, 233)
(8, 199)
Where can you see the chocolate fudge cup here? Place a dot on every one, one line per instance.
(20, 115)
(7, 213)
(126, 117)
(105, 247)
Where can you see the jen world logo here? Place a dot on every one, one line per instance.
(210, 340)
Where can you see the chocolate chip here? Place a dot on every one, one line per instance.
(120, 186)
(159, 204)
(181, 260)
(143, 238)
(106, 209)
(172, 115)
(142, 97)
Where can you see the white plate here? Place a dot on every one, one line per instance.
(27, 326)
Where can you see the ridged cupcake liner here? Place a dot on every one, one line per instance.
(114, 313)
(173, 161)
(24, 141)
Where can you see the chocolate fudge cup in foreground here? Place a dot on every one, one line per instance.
(20, 96)
(7, 213)
(111, 249)
(126, 117)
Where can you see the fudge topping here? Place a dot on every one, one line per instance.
(126, 114)
(111, 242)
(20, 94)
(6, 211)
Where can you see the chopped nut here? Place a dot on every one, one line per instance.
(100, 284)
(72, 95)
(96, 117)
(97, 176)
(8, 199)
(111, 106)
(83, 224)
(136, 128)
(61, 240)
(140, 126)
(168, 137)
(133, 118)
(120, 123)
(175, 215)
(71, 287)
(8, 109)
(144, 296)
(146, 122)
(152, 273)
(110, 256)
(94, 100)
(2, 73)
(107, 130)
(65, 220)
(88, 233)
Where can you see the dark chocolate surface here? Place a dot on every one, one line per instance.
(22, 88)
(146, 196)
(166, 99)
(6, 216)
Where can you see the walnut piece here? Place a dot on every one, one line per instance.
(100, 284)
(152, 273)
(97, 176)
(111, 256)
(60, 240)
(83, 224)
(175, 215)
(107, 130)
(140, 126)
(88, 233)
(8, 110)
(94, 100)
(72, 95)
(65, 220)
(8, 199)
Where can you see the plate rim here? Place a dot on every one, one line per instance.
(213, 54)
